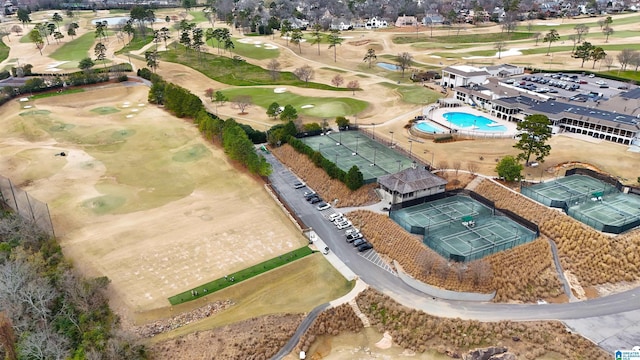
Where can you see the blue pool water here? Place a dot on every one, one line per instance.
(473, 122)
(388, 66)
(429, 128)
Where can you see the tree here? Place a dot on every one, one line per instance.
(597, 54)
(354, 178)
(499, 45)
(128, 29)
(342, 122)
(304, 73)
(86, 64)
(473, 167)
(285, 29)
(228, 44)
(273, 110)
(57, 18)
(242, 102)
(274, 69)
(581, 31)
(36, 38)
(334, 40)
(151, 58)
(16, 29)
(101, 30)
(509, 168)
(625, 57)
(337, 80)
(23, 16)
(574, 39)
(537, 37)
(71, 31)
(289, 113)
(296, 38)
(404, 61)
(164, 34)
(220, 99)
(210, 93)
(58, 35)
(551, 37)
(316, 36)
(353, 85)
(608, 62)
(370, 56)
(534, 132)
(584, 52)
(607, 31)
(100, 50)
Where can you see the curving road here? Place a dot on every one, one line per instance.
(625, 304)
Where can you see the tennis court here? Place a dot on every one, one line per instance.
(613, 213)
(349, 148)
(462, 229)
(568, 191)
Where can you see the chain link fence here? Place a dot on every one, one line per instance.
(28, 207)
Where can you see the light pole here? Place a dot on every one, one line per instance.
(398, 161)
(336, 162)
(357, 138)
(391, 132)
(374, 131)
(375, 150)
(319, 144)
(340, 135)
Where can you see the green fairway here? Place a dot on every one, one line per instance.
(235, 72)
(55, 93)
(137, 43)
(240, 276)
(323, 107)
(198, 16)
(4, 51)
(462, 38)
(591, 22)
(252, 50)
(414, 94)
(75, 50)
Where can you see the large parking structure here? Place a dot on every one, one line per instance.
(462, 229)
(349, 148)
(589, 200)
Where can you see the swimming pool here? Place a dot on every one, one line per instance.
(388, 66)
(468, 121)
(429, 128)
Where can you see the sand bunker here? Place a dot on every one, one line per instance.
(306, 106)
(385, 342)
(24, 99)
(280, 90)
(510, 52)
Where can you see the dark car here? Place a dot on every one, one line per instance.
(359, 242)
(310, 194)
(313, 197)
(315, 200)
(364, 247)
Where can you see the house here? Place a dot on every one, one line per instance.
(410, 186)
(432, 20)
(375, 23)
(504, 70)
(341, 24)
(406, 21)
(461, 75)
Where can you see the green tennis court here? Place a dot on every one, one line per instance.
(568, 191)
(613, 213)
(349, 148)
(462, 229)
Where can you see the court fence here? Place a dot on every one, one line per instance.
(579, 215)
(596, 175)
(527, 190)
(28, 207)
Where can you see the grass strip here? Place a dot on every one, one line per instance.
(55, 93)
(235, 72)
(234, 278)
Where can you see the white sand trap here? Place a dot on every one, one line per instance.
(27, 107)
(548, 24)
(257, 42)
(346, 37)
(258, 45)
(306, 106)
(436, 56)
(134, 110)
(54, 66)
(280, 90)
(141, 104)
(270, 47)
(385, 342)
(129, 116)
(125, 106)
(24, 99)
(510, 52)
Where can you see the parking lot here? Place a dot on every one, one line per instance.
(573, 87)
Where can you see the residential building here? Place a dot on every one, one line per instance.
(410, 185)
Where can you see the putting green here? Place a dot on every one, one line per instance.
(104, 204)
(35, 113)
(105, 110)
(323, 107)
(193, 153)
(61, 127)
(122, 134)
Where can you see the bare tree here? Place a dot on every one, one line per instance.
(480, 272)
(337, 80)
(242, 102)
(44, 344)
(459, 269)
(443, 164)
(608, 62)
(304, 73)
(456, 166)
(625, 57)
(499, 45)
(537, 37)
(353, 85)
(404, 61)
(473, 167)
(274, 69)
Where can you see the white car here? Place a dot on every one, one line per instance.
(323, 206)
(344, 225)
(335, 216)
(600, 82)
(351, 231)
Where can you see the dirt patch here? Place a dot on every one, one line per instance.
(359, 42)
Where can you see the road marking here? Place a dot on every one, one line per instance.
(374, 258)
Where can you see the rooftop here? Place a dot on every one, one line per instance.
(410, 180)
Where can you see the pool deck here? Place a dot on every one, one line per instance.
(437, 116)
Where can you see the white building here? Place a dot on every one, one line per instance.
(375, 23)
(462, 75)
(410, 184)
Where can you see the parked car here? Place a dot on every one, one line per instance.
(351, 231)
(309, 194)
(355, 236)
(323, 206)
(341, 222)
(298, 185)
(344, 225)
(359, 242)
(335, 216)
(315, 200)
(364, 247)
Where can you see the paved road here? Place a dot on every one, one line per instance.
(581, 313)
